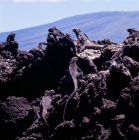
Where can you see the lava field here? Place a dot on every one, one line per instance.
(72, 90)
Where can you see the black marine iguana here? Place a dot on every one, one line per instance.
(133, 36)
(56, 36)
(74, 72)
(55, 33)
(10, 37)
(87, 43)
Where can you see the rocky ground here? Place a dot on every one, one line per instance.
(106, 103)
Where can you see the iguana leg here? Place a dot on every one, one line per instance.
(38, 116)
(44, 118)
(83, 48)
(80, 74)
(79, 69)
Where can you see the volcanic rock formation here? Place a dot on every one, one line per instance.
(35, 87)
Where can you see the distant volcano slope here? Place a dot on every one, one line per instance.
(97, 26)
(68, 92)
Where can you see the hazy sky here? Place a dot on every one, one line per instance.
(19, 14)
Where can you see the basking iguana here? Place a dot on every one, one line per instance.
(57, 35)
(74, 73)
(132, 37)
(87, 43)
(45, 104)
(133, 34)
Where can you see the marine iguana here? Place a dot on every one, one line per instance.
(56, 36)
(133, 36)
(74, 73)
(45, 104)
(56, 33)
(14, 47)
(87, 43)
(10, 37)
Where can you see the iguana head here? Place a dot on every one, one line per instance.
(74, 59)
(131, 30)
(76, 30)
(11, 36)
(52, 29)
(49, 92)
